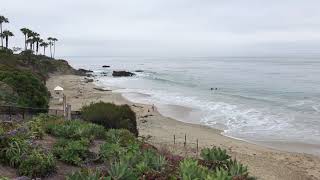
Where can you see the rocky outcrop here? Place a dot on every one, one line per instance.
(139, 71)
(122, 74)
(105, 66)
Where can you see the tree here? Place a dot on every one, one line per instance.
(2, 20)
(44, 45)
(50, 45)
(30, 41)
(26, 33)
(6, 34)
(37, 40)
(54, 40)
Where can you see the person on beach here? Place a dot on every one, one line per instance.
(152, 107)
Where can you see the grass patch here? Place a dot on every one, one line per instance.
(71, 151)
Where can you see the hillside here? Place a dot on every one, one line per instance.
(23, 77)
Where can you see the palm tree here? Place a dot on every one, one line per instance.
(44, 45)
(6, 34)
(30, 41)
(50, 45)
(37, 40)
(26, 33)
(54, 46)
(2, 20)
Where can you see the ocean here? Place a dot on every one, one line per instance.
(273, 101)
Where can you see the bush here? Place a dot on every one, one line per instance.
(87, 174)
(111, 116)
(12, 150)
(75, 129)
(111, 151)
(214, 154)
(31, 91)
(120, 136)
(36, 128)
(121, 171)
(189, 169)
(72, 152)
(37, 164)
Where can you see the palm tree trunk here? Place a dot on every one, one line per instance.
(7, 42)
(50, 51)
(37, 47)
(44, 50)
(54, 49)
(1, 36)
(25, 42)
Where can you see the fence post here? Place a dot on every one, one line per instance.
(174, 139)
(64, 105)
(68, 112)
(197, 147)
(185, 140)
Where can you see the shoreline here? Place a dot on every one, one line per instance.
(187, 115)
(159, 130)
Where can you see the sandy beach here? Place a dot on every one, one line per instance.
(264, 163)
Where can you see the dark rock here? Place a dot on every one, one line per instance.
(101, 89)
(105, 66)
(122, 74)
(85, 71)
(139, 71)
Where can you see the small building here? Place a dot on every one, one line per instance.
(58, 94)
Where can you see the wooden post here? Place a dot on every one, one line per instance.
(174, 139)
(64, 106)
(197, 147)
(185, 140)
(68, 112)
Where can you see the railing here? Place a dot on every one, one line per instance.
(15, 113)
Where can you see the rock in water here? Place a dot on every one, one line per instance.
(122, 74)
(105, 66)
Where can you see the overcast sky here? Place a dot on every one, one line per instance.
(170, 27)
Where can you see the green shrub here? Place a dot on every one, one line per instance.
(87, 174)
(219, 174)
(13, 149)
(237, 169)
(37, 164)
(111, 116)
(36, 128)
(121, 171)
(189, 170)
(71, 151)
(75, 129)
(31, 91)
(153, 160)
(111, 151)
(214, 154)
(120, 136)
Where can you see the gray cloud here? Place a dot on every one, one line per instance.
(170, 27)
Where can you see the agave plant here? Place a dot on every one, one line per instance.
(121, 171)
(37, 164)
(214, 154)
(15, 150)
(237, 169)
(87, 174)
(219, 174)
(190, 170)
